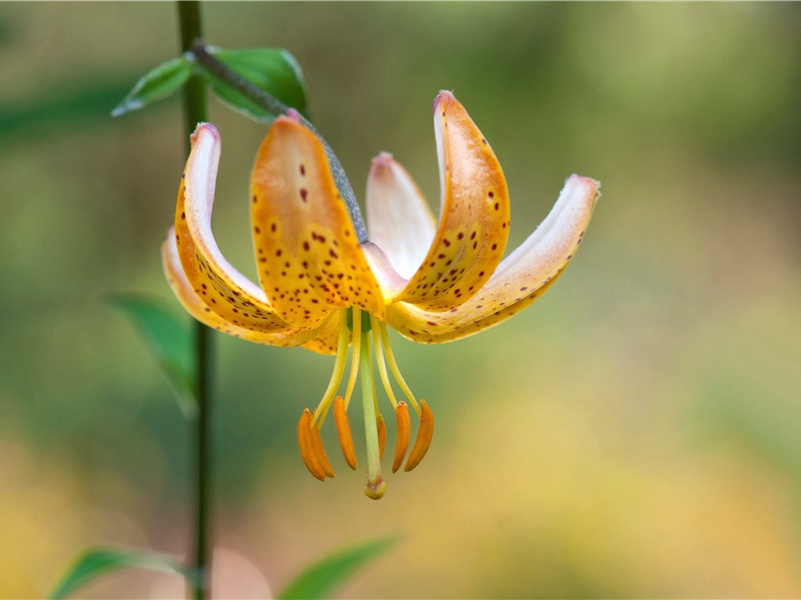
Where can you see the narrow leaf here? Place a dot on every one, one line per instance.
(95, 562)
(170, 340)
(164, 80)
(274, 70)
(320, 579)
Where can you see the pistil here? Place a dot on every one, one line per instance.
(375, 484)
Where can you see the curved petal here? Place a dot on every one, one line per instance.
(474, 220)
(398, 217)
(326, 336)
(221, 287)
(195, 306)
(309, 259)
(519, 280)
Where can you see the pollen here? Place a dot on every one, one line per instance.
(343, 431)
(307, 446)
(382, 436)
(424, 436)
(402, 443)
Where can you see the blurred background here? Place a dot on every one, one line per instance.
(633, 433)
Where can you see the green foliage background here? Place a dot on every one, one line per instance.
(634, 433)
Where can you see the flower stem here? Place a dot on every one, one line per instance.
(255, 94)
(195, 112)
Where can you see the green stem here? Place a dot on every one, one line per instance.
(195, 112)
(255, 94)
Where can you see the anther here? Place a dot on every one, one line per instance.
(402, 444)
(424, 435)
(306, 443)
(382, 436)
(319, 451)
(343, 432)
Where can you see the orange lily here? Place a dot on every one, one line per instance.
(324, 289)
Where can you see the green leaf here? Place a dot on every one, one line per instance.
(323, 577)
(95, 562)
(274, 70)
(164, 80)
(169, 338)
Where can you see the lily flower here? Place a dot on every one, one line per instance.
(323, 288)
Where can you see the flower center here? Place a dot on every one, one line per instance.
(365, 334)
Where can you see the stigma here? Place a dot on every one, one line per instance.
(368, 338)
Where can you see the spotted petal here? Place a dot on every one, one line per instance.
(519, 280)
(195, 306)
(309, 259)
(474, 215)
(221, 287)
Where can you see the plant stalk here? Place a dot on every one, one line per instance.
(194, 112)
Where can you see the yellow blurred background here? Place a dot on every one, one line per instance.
(634, 433)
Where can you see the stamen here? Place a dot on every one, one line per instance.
(354, 361)
(382, 436)
(343, 343)
(394, 367)
(402, 443)
(306, 443)
(424, 435)
(343, 431)
(319, 450)
(375, 484)
(379, 359)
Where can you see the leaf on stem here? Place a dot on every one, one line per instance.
(321, 578)
(94, 562)
(273, 70)
(163, 81)
(171, 341)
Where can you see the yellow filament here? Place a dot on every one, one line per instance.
(379, 359)
(339, 369)
(354, 359)
(394, 367)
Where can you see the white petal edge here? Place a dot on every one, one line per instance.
(200, 181)
(399, 219)
(550, 245)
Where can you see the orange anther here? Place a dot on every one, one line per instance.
(343, 431)
(382, 436)
(423, 440)
(402, 444)
(319, 452)
(306, 443)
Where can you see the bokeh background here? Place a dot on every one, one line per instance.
(634, 433)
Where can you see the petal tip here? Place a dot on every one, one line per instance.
(203, 129)
(443, 96)
(381, 164)
(588, 183)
